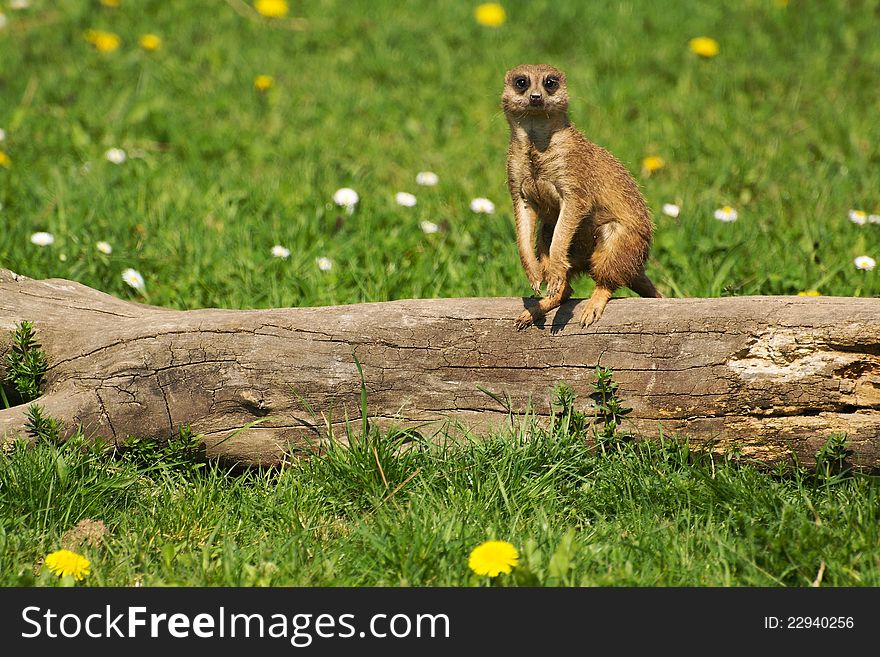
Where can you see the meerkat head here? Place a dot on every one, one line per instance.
(534, 88)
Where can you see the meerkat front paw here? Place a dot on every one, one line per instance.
(556, 282)
(536, 278)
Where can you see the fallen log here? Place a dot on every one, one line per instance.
(769, 377)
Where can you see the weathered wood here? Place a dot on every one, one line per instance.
(769, 376)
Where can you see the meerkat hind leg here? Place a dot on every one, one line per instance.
(531, 315)
(596, 305)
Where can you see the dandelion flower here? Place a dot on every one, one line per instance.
(65, 562)
(346, 198)
(858, 217)
(115, 155)
(5, 160)
(263, 82)
(482, 205)
(405, 199)
(134, 279)
(704, 46)
(42, 239)
(671, 210)
(652, 163)
(490, 14)
(110, 3)
(493, 557)
(429, 227)
(102, 41)
(874, 218)
(104, 247)
(726, 214)
(810, 293)
(150, 42)
(865, 263)
(427, 178)
(271, 8)
(280, 252)
(324, 264)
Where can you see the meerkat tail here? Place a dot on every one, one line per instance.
(644, 287)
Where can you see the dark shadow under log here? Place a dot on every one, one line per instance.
(771, 377)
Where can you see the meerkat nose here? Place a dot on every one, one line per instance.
(535, 98)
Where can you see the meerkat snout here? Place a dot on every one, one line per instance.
(536, 99)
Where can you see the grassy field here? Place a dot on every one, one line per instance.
(781, 125)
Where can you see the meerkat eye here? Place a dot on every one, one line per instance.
(551, 83)
(521, 82)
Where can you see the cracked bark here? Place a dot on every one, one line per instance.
(772, 377)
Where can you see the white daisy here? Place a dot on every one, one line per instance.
(874, 218)
(134, 279)
(42, 239)
(482, 205)
(346, 198)
(726, 214)
(429, 227)
(427, 178)
(280, 252)
(19, 4)
(115, 155)
(858, 217)
(866, 263)
(671, 210)
(104, 247)
(405, 199)
(324, 264)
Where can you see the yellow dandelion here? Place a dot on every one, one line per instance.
(65, 562)
(810, 293)
(263, 82)
(493, 557)
(110, 3)
(652, 163)
(782, 4)
(5, 160)
(704, 46)
(271, 8)
(490, 14)
(102, 41)
(150, 42)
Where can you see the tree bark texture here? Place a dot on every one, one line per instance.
(768, 377)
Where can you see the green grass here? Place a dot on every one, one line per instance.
(780, 125)
(637, 514)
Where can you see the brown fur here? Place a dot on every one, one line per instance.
(577, 208)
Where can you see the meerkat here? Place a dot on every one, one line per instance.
(577, 208)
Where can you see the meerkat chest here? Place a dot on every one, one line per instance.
(542, 172)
